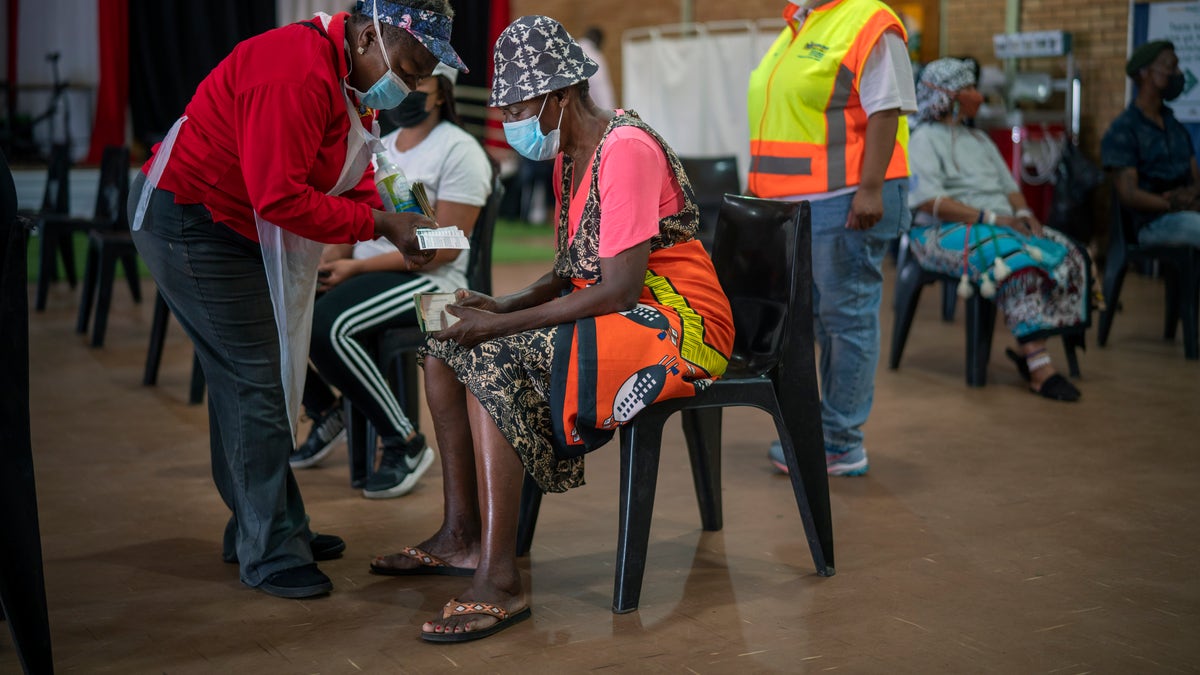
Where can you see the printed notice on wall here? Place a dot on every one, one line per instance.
(1179, 22)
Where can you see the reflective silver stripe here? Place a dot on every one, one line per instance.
(788, 166)
(835, 128)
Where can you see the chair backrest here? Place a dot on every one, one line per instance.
(114, 188)
(712, 178)
(479, 261)
(762, 255)
(56, 197)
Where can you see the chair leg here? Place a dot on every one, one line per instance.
(949, 300)
(640, 446)
(798, 423)
(1189, 310)
(196, 390)
(65, 242)
(108, 270)
(531, 503)
(981, 322)
(908, 293)
(356, 444)
(1114, 278)
(1070, 342)
(129, 264)
(1172, 280)
(702, 429)
(47, 267)
(87, 297)
(158, 337)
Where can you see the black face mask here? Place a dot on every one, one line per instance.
(411, 110)
(1175, 83)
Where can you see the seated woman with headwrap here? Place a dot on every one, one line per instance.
(978, 226)
(631, 313)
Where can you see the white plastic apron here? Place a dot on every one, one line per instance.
(289, 259)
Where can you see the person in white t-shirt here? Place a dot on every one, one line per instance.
(367, 288)
(600, 85)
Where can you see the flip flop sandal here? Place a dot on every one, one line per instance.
(1022, 365)
(1058, 388)
(430, 564)
(456, 608)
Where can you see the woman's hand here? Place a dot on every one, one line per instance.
(1026, 223)
(334, 272)
(464, 297)
(401, 230)
(473, 326)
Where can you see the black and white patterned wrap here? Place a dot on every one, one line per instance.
(939, 80)
(534, 56)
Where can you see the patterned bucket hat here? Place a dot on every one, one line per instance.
(534, 56)
(430, 28)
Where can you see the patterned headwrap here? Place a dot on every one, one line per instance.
(430, 28)
(939, 81)
(534, 56)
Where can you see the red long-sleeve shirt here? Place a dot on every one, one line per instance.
(266, 131)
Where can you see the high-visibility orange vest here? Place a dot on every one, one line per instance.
(807, 126)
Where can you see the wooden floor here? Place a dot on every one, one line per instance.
(996, 532)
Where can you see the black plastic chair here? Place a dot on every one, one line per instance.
(53, 225)
(158, 336)
(712, 178)
(395, 350)
(980, 319)
(763, 258)
(1181, 268)
(109, 242)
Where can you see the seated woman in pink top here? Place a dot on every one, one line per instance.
(530, 382)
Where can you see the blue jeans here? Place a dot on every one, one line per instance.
(213, 280)
(847, 289)
(1180, 227)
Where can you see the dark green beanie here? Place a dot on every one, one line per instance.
(1143, 56)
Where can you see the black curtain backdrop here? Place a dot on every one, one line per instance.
(174, 45)
(470, 39)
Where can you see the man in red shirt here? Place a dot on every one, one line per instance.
(270, 161)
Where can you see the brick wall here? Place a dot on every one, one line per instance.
(1099, 29)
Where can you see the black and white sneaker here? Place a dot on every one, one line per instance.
(328, 430)
(400, 469)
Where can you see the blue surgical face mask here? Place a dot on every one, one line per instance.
(389, 90)
(526, 137)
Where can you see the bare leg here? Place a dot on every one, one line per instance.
(500, 474)
(1042, 373)
(457, 541)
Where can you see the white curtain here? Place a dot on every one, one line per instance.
(291, 11)
(69, 28)
(688, 81)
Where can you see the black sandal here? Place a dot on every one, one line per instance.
(1058, 388)
(1022, 365)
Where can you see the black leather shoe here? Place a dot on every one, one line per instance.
(324, 547)
(305, 581)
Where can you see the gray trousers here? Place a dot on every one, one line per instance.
(213, 280)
